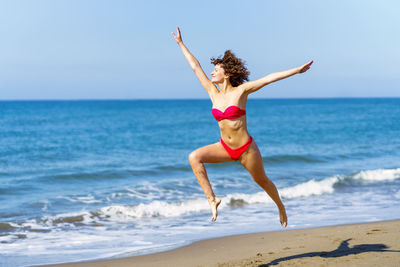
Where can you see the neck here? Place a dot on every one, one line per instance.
(225, 86)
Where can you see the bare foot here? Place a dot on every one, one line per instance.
(214, 205)
(283, 217)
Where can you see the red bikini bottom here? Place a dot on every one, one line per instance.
(237, 152)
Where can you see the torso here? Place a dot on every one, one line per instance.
(233, 131)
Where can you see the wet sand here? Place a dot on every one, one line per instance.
(365, 244)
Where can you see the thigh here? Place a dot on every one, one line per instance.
(252, 161)
(213, 153)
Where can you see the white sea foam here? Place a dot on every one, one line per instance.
(7, 238)
(45, 204)
(311, 187)
(157, 208)
(154, 209)
(378, 175)
(89, 199)
(306, 189)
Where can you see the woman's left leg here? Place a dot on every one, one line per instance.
(251, 159)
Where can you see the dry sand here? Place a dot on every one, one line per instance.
(366, 244)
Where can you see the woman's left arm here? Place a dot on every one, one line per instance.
(252, 86)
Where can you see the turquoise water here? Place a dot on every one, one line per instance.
(83, 180)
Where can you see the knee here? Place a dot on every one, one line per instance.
(194, 158)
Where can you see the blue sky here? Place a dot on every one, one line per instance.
(124, 49)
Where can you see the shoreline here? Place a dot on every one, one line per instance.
(366, 244)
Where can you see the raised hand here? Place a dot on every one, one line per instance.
(178, 37)
(305, 67)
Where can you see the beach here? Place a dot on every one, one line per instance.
(86, 181)
(364, 244)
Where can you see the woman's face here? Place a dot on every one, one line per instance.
(218, 74)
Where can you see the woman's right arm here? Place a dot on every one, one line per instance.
(195, 65)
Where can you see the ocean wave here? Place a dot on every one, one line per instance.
(378, 175)
(310, 188)
(171, 167)
(87, 199)
(100, 175)
(107, 174)
(327, 185)
(16, 189)
(165, 209)
(152, 171)
(154, 209)
(292, 158)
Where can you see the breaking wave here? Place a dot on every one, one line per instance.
(163, 209)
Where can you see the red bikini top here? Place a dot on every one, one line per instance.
(231, 112)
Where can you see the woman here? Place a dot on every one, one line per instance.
(228, 92)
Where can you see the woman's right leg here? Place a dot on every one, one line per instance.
(214, 153)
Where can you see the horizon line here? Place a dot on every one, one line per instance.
(183, 99)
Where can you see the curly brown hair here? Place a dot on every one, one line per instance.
(233, 66)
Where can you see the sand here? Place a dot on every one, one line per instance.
(366, 244)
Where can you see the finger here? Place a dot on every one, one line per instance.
(179, 31)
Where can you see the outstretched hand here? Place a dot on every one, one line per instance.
(178, 37)
(305, 67)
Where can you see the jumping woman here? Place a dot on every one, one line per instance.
(228, 92)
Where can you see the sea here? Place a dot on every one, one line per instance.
(85, 180)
